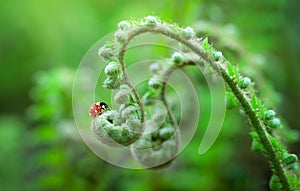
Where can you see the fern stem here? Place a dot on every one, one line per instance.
(126, 76)
(166, 77)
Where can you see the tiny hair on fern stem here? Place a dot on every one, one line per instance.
(238, 86)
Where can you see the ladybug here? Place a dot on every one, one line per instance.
(98, 108)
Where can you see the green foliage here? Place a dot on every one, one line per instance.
(12, 133)
(59, 159)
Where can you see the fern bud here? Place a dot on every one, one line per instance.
(159, 116)
(110, 129)
(148, 97)
(122, 96)
(274, 123)
(151, 21)
(269, 114)
(111, 83)
(121, 134)
(124, 25)
(106, 52)
(113, 69)
(112, 117)
(155, 153)
(188, 33)
(166, 132)
(121, 36)
(125, 87)
(130, 112)
(135, 125)
(154, 82)
(177, 58)
(217, 55)
(102, 124)
(290, 160)
(244, 83)
(155, 68)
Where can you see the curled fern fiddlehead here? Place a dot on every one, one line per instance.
(164, 140)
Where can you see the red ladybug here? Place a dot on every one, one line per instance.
(98, 108)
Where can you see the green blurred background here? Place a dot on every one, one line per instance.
(42, 44)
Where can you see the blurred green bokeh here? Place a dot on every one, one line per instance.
(42, 44)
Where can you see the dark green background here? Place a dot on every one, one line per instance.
(43, 42)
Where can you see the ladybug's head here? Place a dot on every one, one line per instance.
(103, 106)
